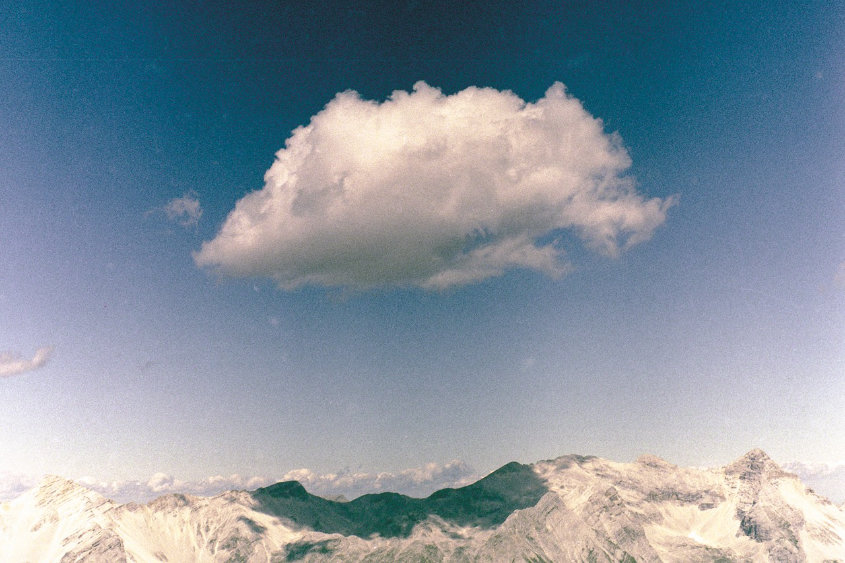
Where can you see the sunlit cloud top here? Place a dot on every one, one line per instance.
(435, 191)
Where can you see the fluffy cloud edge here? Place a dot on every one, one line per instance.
(12, 363)
(435, 191)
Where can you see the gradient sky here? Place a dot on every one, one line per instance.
(723, 332)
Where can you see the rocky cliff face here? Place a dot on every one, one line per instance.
(572, 508)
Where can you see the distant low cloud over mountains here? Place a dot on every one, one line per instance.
(435, 191)
(416, 481)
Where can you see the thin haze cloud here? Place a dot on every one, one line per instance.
(12, 485)
(185, 210)
(435, 191)
(13, 364)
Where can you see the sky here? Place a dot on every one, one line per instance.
(416, 240)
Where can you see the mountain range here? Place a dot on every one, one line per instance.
(573, 508)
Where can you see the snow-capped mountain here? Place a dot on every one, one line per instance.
(572, 508)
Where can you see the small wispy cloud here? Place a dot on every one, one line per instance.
(185, 210)
(12, 363)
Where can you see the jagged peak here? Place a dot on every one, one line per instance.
(754, 463)
(566, 461)
(757, 453)
(654, 461)
(755, 456)
(53, 489)
(57, 484)
(284, 489)
(171, 501)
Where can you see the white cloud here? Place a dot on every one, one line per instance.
(14, 364)
(162, 483)
(435, 191)
(185, 210)
(419, 482)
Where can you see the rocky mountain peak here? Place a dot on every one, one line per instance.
(54, 489)
(569, 509)
(285, 489)
(654, 461)
(56, 482)
(754, 465)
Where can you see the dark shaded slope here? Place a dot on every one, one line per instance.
(489, 501)
(485, 503)
(290, 500)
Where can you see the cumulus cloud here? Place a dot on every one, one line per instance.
(419, 481)
(434, 191)
(185, 210)
(13, 364)
(162, 484)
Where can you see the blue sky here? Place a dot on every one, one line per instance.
(722, 330)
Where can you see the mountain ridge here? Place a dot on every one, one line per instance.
(485, 503)
(570, 508)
